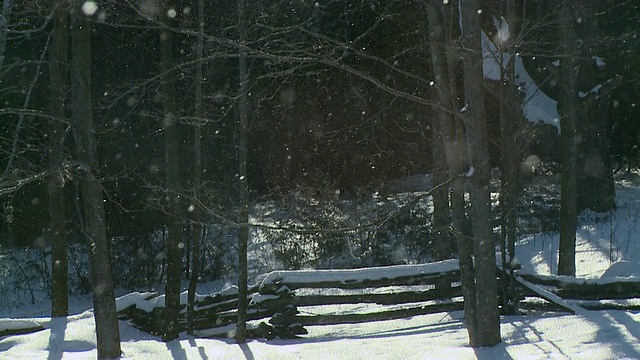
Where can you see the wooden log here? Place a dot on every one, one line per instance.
(609, 306)
(421, 279)
(223, 296)
(423, 274)
(18, 327)
(595, 291)
(584, 289)
(217, 307)
(377, 316)
(381, 299)
(540, 306)
(549, 296)
(218, 320)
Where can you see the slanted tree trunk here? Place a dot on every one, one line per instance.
(174, 238)
(58, 66)
(243, 218)
(487, 316)
(107, 332)
(197, 175)
(569, 140)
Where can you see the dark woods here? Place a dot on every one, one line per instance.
(181, 113)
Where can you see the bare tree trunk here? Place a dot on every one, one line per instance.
(58, 67)
(455, 151)
(243, 218)
(442, 133)
(509, 115)
(441, 235)
(4, 24)
(107, 332)
(197, 176)
(173, 247)
(568, 109)
(487, 316)
(596, 186)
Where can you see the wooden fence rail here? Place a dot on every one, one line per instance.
(400, 291)
(433, 287)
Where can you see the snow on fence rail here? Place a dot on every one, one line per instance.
(591, 294)
(392, 292)
(396, 291)
(432, 286)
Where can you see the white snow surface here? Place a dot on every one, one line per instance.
(537, 106)
(358, 275)
(596, 335)
(608, 248)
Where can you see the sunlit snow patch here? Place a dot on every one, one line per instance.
(537, 106)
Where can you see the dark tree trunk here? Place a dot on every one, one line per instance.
(58, 73)
(441, 221)
(596, 187)
(569, 138)
(107, 332)
(442, 136)
(197, 176)
(243, 218)
(487, 316)
(174, 239)
(455, 151)
(4, 24)
(509, 117)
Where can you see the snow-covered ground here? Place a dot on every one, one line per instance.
(596, 335)
(602, 241)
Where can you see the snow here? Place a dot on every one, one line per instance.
(502, 31)
(577, 310)
(537, 106)
(623, 270)
(15, 324)
(358, 275)
(597, 335)
(607, 250)
(139, 300)
(599, 61)
(470, 172)
(594, 90)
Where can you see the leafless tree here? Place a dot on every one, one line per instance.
(107, 331)
(171, 159)
(58, 73)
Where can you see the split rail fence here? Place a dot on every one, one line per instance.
(285, 301)
(323, 297)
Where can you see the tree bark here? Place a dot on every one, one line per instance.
(58, 72)
(440, 234)
(455, 151)
(442, 135)
(174, 240)
(596, 187)
(569, 140)
(487, 316)
(197, 176)
(510, 114)
(107, 332)
(243, 218)
(4, 24)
